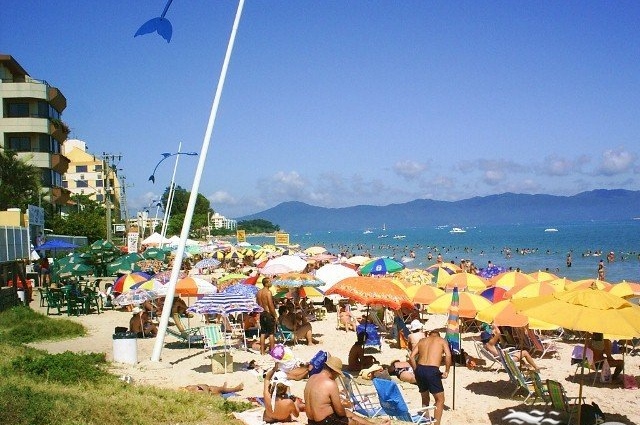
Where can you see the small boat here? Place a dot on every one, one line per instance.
(551, 229)
(366, 232)
(399, 236)
(383, 236)
(457, 230)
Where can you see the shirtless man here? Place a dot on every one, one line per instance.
(268, 317)
(429, 352)
(322, 398)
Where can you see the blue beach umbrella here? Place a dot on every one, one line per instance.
(381, 266)
(248, 291)
(225, 303)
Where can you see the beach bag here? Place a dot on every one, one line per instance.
(591, 414)
(629, 382)
(605, 372)
(317, 362)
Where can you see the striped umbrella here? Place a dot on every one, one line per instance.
(453, 335)
(125, 282)
(494, 294)
(165, 276)
(465, 281)
(225, 303)
(248, 291)
(135, 297)
(381, 266)
(469, 304)
(296, 280)
(207, 263)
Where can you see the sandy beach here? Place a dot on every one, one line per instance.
(481, 396)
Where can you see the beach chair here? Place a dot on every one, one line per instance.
(516, 377)
(365, 404)
(394, 405)
(589, 364)
(540, 389)
(559, 399)
(213, 338)
(543, 346)
(373, 337)
(186, 335)
(284, 335)
(54, 300)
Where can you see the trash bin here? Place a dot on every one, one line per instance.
(125, 348)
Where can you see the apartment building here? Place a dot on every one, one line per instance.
(90, 176)
(31, 125)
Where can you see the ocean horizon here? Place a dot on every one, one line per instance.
(531, 247)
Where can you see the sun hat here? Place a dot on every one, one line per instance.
(415, 325)
(277, 352)
(280, 377)
(334, 364)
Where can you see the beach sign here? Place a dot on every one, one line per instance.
(241, 236)
(282, 239)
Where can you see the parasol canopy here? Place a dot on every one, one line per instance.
(296, 280)
(330, 274)
(371, 290)
(192, 286)
(225, 303)
(381, 266)
(468, 307)
(135, 297)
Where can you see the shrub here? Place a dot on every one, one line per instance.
(66, 368)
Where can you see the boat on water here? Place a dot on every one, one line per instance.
(399, 236)
(457, 230)
(366, 232)
(383, 236)
(551, 229)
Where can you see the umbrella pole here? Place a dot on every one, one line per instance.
(584, 356)
(453, 395)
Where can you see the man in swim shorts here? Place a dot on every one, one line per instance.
(426, 358)
(268, 317)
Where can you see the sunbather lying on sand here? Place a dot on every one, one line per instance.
(212, 389)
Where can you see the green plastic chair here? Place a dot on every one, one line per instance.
(54, 301)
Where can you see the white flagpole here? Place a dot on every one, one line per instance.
(167, 211)
(177, 262)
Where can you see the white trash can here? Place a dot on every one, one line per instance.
(125, 348)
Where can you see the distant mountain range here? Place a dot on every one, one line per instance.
(507, 208)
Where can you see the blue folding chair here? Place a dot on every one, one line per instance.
(393, 403)
(373, 336)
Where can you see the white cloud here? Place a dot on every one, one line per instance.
(221, 197)
(408, 169)
(493, 177)
(556, 166)
(616, 162)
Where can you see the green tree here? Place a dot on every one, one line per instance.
(178, 211)
(87, 218)
(258, 226)
(20, 182)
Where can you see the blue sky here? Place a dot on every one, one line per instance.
(341, 103)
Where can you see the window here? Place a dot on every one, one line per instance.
(99, 198)
(44, 143)
(99, 183)
(20, 143)
(43, 109)
(98, 167)
(82, 183)
(65, 184)
(18, 110)
(81, 169)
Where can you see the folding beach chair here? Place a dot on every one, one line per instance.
(589, 364)
(366, 404)
(559, 399)
(394, 405)
(373, 336)
(516, 377)
(543, 346)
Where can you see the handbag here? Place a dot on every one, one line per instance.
(605, 372)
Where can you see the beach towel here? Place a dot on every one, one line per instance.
(629, 382)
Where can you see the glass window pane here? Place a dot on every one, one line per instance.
(81, 169)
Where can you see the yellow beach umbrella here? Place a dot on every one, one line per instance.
(588, 283)
(470, 304)
(625, 289)
(560, 283)
(508, 280)
(466, 281)
(531, 290)
(542, 276)
(423, 294)
(503, 313)
(315, 250)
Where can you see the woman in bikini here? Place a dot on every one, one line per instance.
(402, 370)
(279, 405)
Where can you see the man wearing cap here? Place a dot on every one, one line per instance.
(416, 333)
(429, 352)
(322, 398)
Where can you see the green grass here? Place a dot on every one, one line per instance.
(75, 388)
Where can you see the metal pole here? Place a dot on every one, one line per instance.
(108, 199)
(177, 262)
(167, 211)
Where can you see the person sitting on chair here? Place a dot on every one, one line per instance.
(602, 351)
(346, 318)
(491, 339)
(140, 323)
(290, 321)
(357, 359)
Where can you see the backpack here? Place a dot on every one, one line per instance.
(317, 362)
(591, 414)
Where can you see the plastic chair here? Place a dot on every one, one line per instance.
(285, 335)
(394, 405)
(54, 300)
(589, 364)
(366, 404)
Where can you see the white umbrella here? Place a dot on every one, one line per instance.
(292, 262)
(333, 273)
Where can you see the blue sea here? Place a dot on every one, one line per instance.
(531, 247)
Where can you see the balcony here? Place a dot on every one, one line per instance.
(60, 196)
(58, 129)
(59, 163)
(57, 99)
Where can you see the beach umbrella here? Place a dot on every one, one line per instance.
(542, 276)
(625, 289)
(504, 313)
(55, 245)
(243, 289)
(225, 304)
(322, 257)
(296, 280)
(315, 250)
(414, 276)
(78, 269)
(560, 283)
(531, 290)
(125, 264)
(588, 283)
(424, 294)
(494, 294)
(164, 276)
(135, 297)
(151, 285)
(229, 279)
(508, 280)
(381, 266)
(193, 286)
(126, 281)
(155, 253)
(150, 266)
(330, 274)
(292, 263)
(465, 281)
(440, 276)
(207, 263)
(371, 290)
(234, 255)
(358, 260)
(585, 310)
(491, 271)
(449, 267)
(453, 335)
(469, 304)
